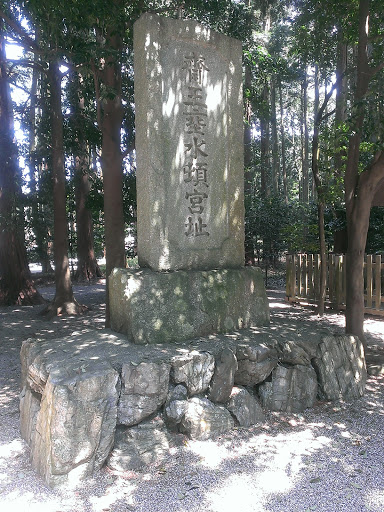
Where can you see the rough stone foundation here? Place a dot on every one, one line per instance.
(94, 398)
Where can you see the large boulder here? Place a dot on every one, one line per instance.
(224, 376)
(245, 407)
(175, 406)
(194, 370)
(76, 422)
(30, 403)
(291, 353)
(139, 446)
(341, 369)
(291, 389)
(255, 362)
(144, 390)
(203, 419)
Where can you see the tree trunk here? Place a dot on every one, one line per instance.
(283, 153)
(360, 188)
(320, 194)
(304, 141)
(264, 147)
(112, 161)
(87, 266)
(16, 283)
(275, 141)
(38, 220)
(64, 301)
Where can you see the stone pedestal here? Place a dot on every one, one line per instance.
(167, 307)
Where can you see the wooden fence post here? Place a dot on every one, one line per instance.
(317, 276)
(331, 280)
(338, 281)
(344, 293)
(299, 275)
(305, 274)
(378, 281)
(291, 276)
(369, 286)
(311, 289)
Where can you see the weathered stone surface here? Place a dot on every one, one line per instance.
(70, 425)
(144, 390)
(245, 407)
(291, 353)
(255, 363)
(190, 214)
(139, 446)
(161, 307)
(175, 406)
(76, 422)
(29, 408)
(203, 419)
(223, 377)
(291, 389)
(341, 368)
(195, 370)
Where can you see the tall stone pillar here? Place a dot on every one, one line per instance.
(189, 133)
(190, 198)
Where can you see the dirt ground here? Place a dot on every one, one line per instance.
(328, 459)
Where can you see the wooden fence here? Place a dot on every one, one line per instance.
(303, 281)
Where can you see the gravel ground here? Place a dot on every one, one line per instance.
(328, 459)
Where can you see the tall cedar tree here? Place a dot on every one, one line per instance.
(63, 301)
(16, 283)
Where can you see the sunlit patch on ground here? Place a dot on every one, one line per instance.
(327, 459)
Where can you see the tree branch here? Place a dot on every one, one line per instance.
(129, 150)
(26, 63)
(319, 116)
(25, 38)
(377, 69)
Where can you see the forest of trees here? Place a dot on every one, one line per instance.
(313, 134)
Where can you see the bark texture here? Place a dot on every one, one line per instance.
(64, 301)
(359, 188)
(16, 283)
(112, 159)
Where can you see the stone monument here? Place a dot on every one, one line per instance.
(190, 205)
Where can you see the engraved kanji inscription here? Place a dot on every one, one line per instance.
(195, 66)
(195, 173)
(195, 168)
(196, 201)
(195, 228)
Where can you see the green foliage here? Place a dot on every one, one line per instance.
(375, 238)
(273, 227)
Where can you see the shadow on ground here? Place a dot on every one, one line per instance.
(327, 459)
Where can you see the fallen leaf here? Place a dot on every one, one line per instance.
(315, 480)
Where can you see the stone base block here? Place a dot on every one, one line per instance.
(167, 307)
